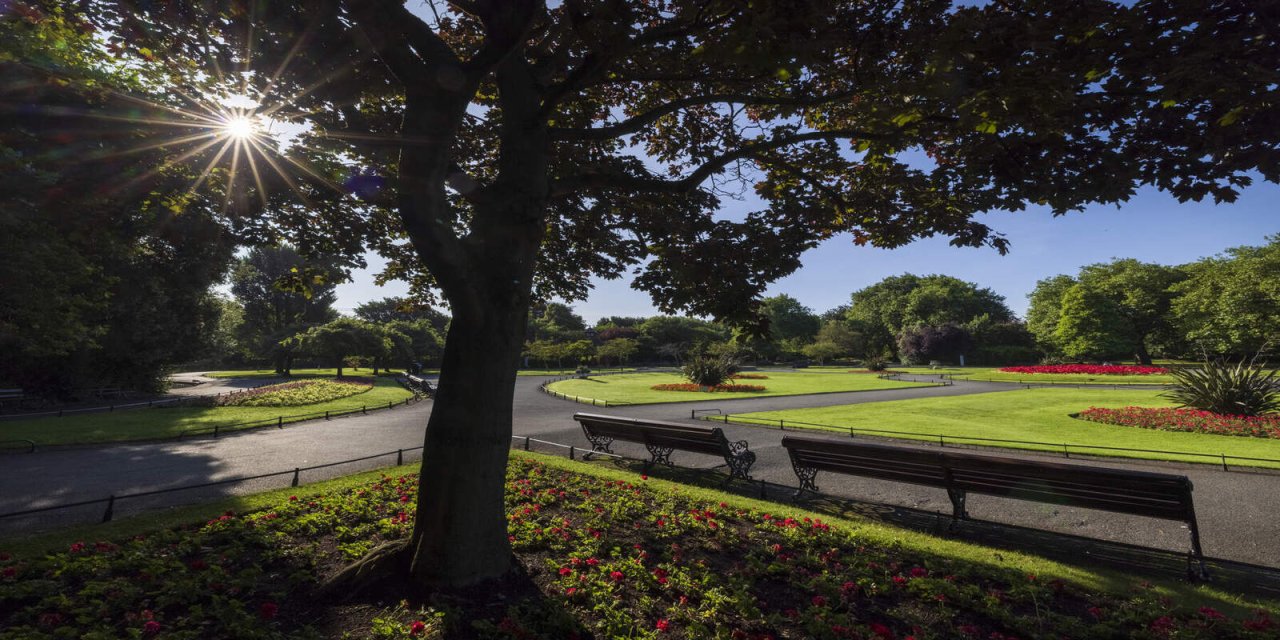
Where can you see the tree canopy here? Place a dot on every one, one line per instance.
(882, 311)
(503, 150)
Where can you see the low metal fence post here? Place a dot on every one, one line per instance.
(940, 442)
(296, 471)
(526, 443)
(111, 509)
(1224, 462)
(279, 422)
(399, 457)
(571, 452)
(364, 410)
(1065, 453)
(762, 490)
(215, 430)
(326, 414)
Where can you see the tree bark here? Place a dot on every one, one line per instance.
(460, 536)
(1142, 355)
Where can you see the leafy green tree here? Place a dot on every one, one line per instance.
(344, 337)
(921, 344)
(508, 134)
(1139, 293)
(579, 351)
(618, 351)
(822, 351)
(1045, 310)
(271, 309)
(670, 337)
(388, 310)
(1091, 326)
(788, 319)
(882, 311)
(1230, 304)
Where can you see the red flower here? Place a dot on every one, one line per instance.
(662, 625)
(151, 628)
(564, 571)
(77, 547)
(616, 576)
(418, 628)
(268, 610)
(919, 572)
(1211, 613)
(882, 631)
(819, 601)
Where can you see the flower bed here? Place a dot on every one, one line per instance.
(1193, 420)
(749, 376)
(606, 558)
(292, 394)
(872, 371)
(1089, 369)
(689, 386)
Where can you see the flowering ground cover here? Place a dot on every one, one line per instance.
(299, 393)
(720, 388)
(604, 554)
(164, 422)
(1193, 420)
(637, 388)
(1038, 414)
(1088, 369)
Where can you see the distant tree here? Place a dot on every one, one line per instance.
(788, 319)
(923, 343)
(608, 333)
(344, 337)
(617, 351)
(618, 321)
(579, 351)
(883, 310)
(836, 331)
(557, 322)
(1001, 343)
(391, 309)
(1230, 304)
(270, 308)
(425, 342)
(1091, 326)
(670, 337)
(835, 313)
(1045, 310)
(1138, 293)
(822, 351)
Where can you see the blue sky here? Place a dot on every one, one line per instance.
(1152, 227)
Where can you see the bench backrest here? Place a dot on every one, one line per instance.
(1158, 495)
(656, 432)
(916, 466)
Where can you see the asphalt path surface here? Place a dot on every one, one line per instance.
(1236, 510)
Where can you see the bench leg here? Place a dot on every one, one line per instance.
(740, 465)
(806, 476)
(1196, 569)
(958, 511)
(598, 444)
(660, 455)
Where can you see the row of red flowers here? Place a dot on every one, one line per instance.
(689, 386)
(1193, 420)
(749, 376)
(1089, 369)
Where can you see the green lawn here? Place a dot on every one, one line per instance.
(1038, 415)
(996, 375)
(635, 388)
(347, 372)
(164, 422)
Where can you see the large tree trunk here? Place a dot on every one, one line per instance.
(461, 532)
(1141, 354)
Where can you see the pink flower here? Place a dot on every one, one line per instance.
(418, 628)
(616, 576)
(151, 628)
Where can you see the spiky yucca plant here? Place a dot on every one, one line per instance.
(708, 370)
(1242, 389)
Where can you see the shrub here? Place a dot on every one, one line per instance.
(708, 370)
(1232, 389)
(877, 365)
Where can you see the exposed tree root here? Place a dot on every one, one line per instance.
(384, 563)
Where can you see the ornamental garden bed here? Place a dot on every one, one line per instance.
(1190, 420)
(603, 554)
(294, 394)
(1088, 369)
(721, 388)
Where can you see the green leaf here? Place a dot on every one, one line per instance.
(1231, 117)
(986, 126)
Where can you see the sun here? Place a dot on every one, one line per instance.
(240, 128)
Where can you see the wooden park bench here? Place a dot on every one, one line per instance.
(421, 385)
(661, 438)
(1156, 495)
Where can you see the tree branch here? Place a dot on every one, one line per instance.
(627, 182)
(636, 123)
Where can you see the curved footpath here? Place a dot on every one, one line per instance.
(1236, 510)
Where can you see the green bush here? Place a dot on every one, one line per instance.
(1231, 389)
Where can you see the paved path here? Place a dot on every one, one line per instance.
(1236, 510)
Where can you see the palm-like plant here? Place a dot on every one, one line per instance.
(708, 370)
(1243, 388)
